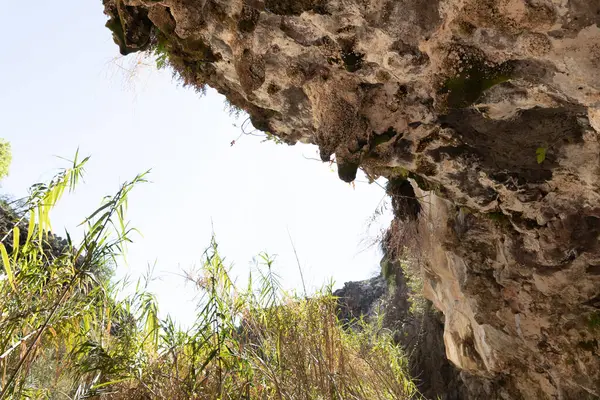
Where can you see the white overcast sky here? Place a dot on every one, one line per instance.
(61, 87)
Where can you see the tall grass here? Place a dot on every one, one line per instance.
(65, 335)
(52, 294)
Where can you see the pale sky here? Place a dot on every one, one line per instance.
(62, 87)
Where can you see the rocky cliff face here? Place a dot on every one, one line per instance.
(420, 333)
(489, 109)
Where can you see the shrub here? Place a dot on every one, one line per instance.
(264, 343)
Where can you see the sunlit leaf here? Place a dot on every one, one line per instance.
(540, 153)
(16, 243)
(7, 266)
(96, 213)
(31, 226)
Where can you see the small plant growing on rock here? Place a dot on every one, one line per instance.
(414, 281)
(594, 320)
(540, 154)
(269, 137)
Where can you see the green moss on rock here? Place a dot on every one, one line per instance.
(474, 76)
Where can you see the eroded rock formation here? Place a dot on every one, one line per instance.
(489, 108)
(419, 332)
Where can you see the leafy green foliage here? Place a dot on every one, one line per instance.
(50, 298)
(5, 158)
(233, 110)
(161, 54)
(269, 137)
(414, 281)
(159, 49)
(67, 331)
(264, 343)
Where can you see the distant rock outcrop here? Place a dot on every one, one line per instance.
(420, 334)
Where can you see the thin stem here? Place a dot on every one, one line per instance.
(298, 262)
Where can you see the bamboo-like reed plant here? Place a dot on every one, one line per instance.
(67, 332)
